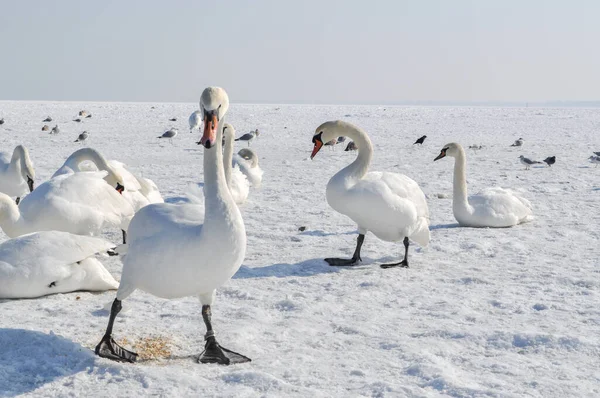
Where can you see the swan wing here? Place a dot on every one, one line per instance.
(239, 185)
(503, 205)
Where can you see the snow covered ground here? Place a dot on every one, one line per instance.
(480, 312)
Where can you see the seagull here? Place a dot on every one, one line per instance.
(46, 127)
(77, 120)
(351, 146)
(595, 160)
(518, 142)
(173, 119)
(195, 120)
(550, 160)
(82, 137)
(597, 153)
(48, 119)
(55, 130)
(475, 147)
(420, 140)
(249, 136)
(84, 113)
(169, 134)
(341, 139)
(528, 162)
(88, 116)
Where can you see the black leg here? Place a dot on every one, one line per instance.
(403, 263)
(18, 200)
(213, 352)
(124, 236)
(339, 262)
(108, 348)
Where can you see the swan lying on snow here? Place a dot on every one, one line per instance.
(493, 207)
(175, 250)
(81, 203)
(138, 191)
(51, 262)
(16, 173)
(236, 180)
(195, 120)
(390, 205)
(247, 161)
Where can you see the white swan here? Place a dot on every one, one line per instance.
(16, 173)
(195, 120)
(52, 262)
(390, 205)
(236, 180)
(80, 203)
(493, 207)
(177, 250)
(247, 161)
(138, 191)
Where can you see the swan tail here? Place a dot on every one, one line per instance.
(421, 233)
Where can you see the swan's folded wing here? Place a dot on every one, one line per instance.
(501, 203)
(164, 219)
(129, 179)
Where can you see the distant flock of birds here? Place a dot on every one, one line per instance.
(185, 249)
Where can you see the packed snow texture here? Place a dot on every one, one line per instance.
(507, 312)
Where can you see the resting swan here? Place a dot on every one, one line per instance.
(236, 180)
(138, 191)
(247, 161)
(16, 174)
(52, 262)
(80, 203)
(390, 205)
(179, 250)
(493, 207)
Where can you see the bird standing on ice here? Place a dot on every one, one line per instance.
(518, 142)
(390, 205)
(170, 134)
(528, 162)
(82, 137)
(420, 140)
(550, 160)
(179, 250)
(249, 137)
(195, 120)
(595, 160)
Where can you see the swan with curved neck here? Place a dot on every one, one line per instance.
(247, 160)
(236, 181)
(179, 250)
(80, 203)
(16, 174)
(390, 205)
(138, 191)
(493, 207)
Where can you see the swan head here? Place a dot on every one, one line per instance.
(452, 149)
(326, 132)
(214, 103)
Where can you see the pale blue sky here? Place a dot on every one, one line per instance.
(282, 51)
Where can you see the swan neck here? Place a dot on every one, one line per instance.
(89, 154)
(228, 157)
(219, 205)
(460, 180)
(10, 217)
(357, 169)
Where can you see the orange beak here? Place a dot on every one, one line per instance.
(317, 148)
(209, 137)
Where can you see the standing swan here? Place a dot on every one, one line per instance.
(172, 253)
(16, 174)
(236, 180)
(390, 205)
(493, 207)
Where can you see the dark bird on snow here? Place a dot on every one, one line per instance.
(597, 153)
(173, 119)
(550, 160)
(46, 127)
(48, 119)
(351, 146)
(82, 137)
(77, 120)
(1, 121)
(420, 140)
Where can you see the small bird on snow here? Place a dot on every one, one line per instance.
(518, 142)
(550, 160)
(528, 162)
(170, 134)
(420, 140)
(82, 137)
(249, 137)
(55, 130)
(351, 146)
